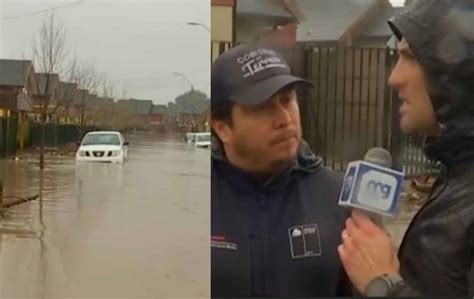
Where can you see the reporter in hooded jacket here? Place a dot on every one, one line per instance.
(434, 77)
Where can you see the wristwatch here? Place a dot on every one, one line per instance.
(381, 286)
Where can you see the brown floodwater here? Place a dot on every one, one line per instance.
(138, 230)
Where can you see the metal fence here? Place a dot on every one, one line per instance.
(352, 108)
(217, 48)
(8, 136)
(412, 159)
(56, 134)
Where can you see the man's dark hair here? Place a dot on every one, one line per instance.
(222, 110)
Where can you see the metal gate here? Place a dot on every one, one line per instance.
(8, 136)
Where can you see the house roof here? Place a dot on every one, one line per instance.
(136, 106)
(378, 27)
(14, 72)
(124, 105)
(100, 102)
(42, 79)
(263, 8)
(142, 107)
(67, 91)
(328, 20)
(159, 109)
(82, 94)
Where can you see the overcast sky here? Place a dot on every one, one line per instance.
(138, 44)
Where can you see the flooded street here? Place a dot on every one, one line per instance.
(109, 231)
(138, 230)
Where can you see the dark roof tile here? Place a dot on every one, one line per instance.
(327, 20)
(14, 72)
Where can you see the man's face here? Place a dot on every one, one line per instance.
(416, 112)
(267, 136)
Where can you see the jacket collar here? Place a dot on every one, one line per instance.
(305, 162)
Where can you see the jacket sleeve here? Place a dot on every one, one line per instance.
(470, 274)
(470, 277)
(404, 290)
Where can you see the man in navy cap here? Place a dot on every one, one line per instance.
(275, 219)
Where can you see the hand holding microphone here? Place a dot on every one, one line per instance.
(372, 189)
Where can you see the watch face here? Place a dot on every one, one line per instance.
(377, 288)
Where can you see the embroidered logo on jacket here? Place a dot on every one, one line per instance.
(305, 241)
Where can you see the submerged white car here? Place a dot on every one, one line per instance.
(103, 146)
(202, 139)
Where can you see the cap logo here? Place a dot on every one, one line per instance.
(259, 60)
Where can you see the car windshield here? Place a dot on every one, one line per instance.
(101, 139)
(201, 138)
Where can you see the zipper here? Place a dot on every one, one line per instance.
(257, 249)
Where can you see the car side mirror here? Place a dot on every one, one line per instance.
(126, 143)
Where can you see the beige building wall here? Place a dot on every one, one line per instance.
(221, 23)
(221, 28)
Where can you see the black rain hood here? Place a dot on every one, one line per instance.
(441, 36)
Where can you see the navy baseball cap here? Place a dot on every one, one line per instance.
(250, 75)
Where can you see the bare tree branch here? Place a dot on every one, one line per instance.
(49, 53)
(108, 88)
(88, 81)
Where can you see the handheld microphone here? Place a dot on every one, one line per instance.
(372, 187)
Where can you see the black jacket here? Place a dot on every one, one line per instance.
(437, 253)
(277, 238)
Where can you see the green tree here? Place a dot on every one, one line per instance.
(192, 101)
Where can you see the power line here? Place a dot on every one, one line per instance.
(42, 11)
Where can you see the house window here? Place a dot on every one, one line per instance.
(25, 91)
